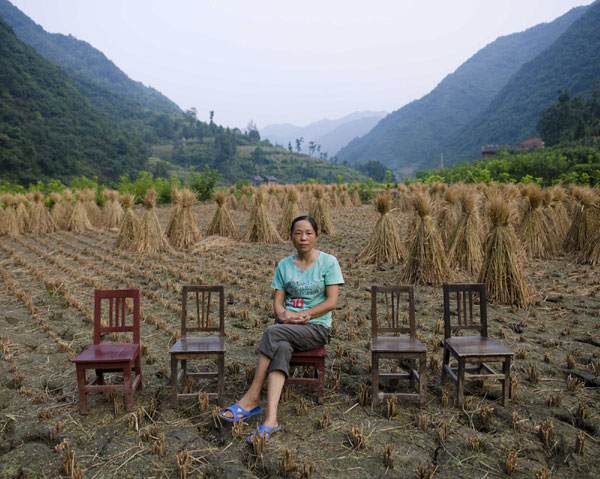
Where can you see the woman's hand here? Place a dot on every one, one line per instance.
(291, 317)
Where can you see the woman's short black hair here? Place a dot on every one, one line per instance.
(310, 219)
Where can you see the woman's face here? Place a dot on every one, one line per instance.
(303, 236)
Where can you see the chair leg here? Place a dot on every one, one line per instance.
(128, 387)
(445, 361)
(81, 389)
(460, 383)
(221, 380)
(413, 367)
(173, 381)
(138, 371)
(506, 382)
(320, 370)
(374, 379)
(422, 379)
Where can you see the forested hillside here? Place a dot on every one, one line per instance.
(48, 128)
(417, 133)
(571, 64)
(77, 56)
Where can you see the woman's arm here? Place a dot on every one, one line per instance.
(301, 317)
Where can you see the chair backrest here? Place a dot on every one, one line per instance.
(199, 318)
(121, 316)
(459, 301)
(399, 302)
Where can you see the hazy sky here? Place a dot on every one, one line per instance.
(281, 61)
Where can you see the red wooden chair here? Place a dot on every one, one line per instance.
(199, 347)
(460, 300)
(314, 358)
(112, 357)
(387, 342)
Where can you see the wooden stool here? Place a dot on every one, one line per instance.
(316, 359)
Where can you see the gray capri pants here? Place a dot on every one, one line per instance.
(280, 340)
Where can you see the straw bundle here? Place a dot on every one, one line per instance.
(583, 225)
(402, 198)
(319, 212)
(22, 213)
(67, 196)
(334, 199)
(185, 231)
(385, 245)
(11, 227)
(40, 221)
(150, 238)
(57, 211)
(176, 200)
(535, 230)
(344, 196)
(79, 220)
(426, 262)
(466, 250)
(2, 221)
(449, 213)
(113, 211)
(501, 270)
(93, 211)
(290, 212)
(231, 201)
(260, 227)
(129, 226)
(222, 224)
(356, 201)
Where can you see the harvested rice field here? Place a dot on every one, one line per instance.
(550, 429)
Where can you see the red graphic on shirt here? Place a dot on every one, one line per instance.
(297, 302)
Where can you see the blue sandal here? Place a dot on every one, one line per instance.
(239, 413)
(264, 431)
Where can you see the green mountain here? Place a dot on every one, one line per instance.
(417, 133)
(79, 57)
(571, 64)
(48, 129)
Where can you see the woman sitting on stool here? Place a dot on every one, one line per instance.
(306, 291)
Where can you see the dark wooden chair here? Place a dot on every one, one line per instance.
(314, 358)
(112, 357)
(386, 342)
(460, 302)
(199, 347)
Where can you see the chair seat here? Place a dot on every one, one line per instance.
(385, 344)
(476, 346)
(311, 353)
(209, 344)
(108, 353)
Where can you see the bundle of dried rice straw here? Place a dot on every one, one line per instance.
(290, 212)
(501, 270)
(40, 221)
(449, 213)
(184, 229)
(176, 202)
(260, 227)
(222, 224)
(67, 202)
(22, 213)
(57, 211)
(356, 201)
(426, 262)
(584, 221)
(79, 221)
(150, 238)
(466, 250)
(11, 227)
(130, 225)
(535, 231)
(385, 245)
(93, 211)
(231, 201)
(113, 212)
(320, 213)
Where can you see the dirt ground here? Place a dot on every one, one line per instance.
(46, 302)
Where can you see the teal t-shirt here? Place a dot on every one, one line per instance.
(305, 289)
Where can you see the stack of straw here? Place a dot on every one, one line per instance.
(535, 231)
(222, 224)
(320, 213)
(40, 221)
(11, 227)
(113, 212)
(130, 225)
(176, 201)
(501, 270)
(22, 214)
(426, 262)
(260, 227)
(466, 251)
(93, 211)
(356, 201)
(150, 238)
(385, 245)
(290, 212)
(79, 220)
(185, 232)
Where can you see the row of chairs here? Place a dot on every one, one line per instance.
(394, 336)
